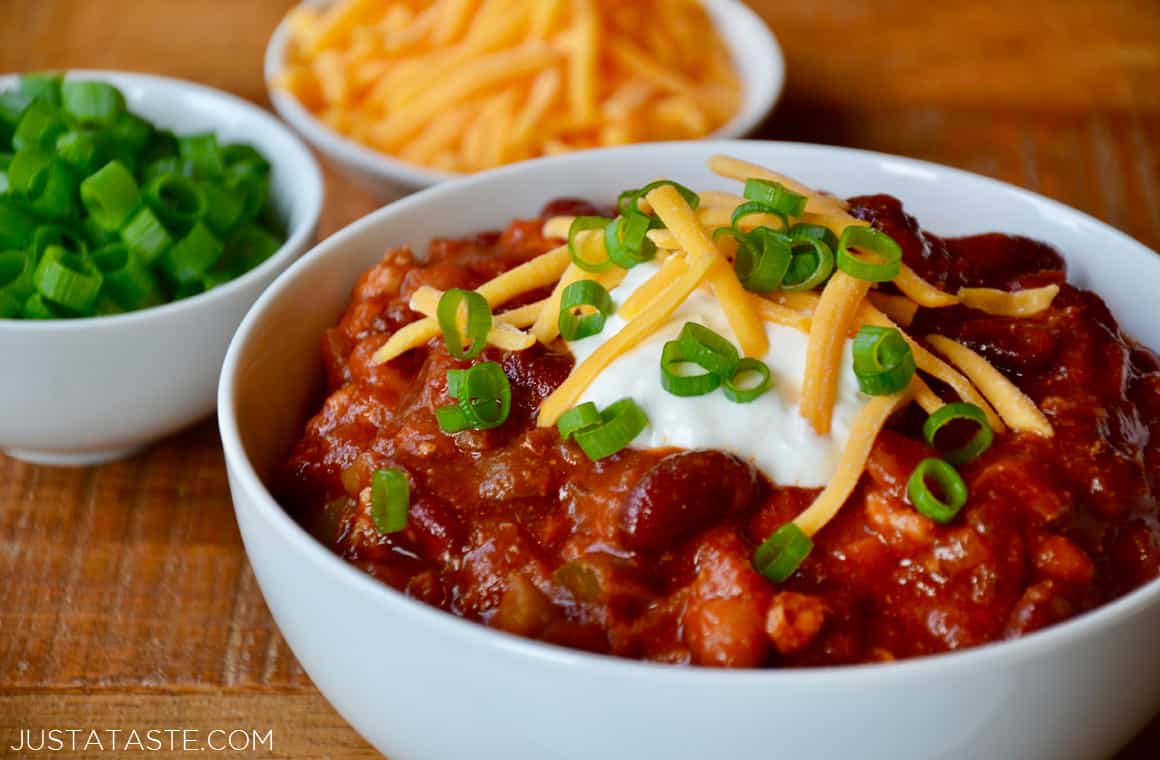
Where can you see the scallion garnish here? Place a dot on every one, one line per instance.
(775, 196)
(883, 361)
(708, 349)
(619, 426)
(675, 375)
(868, 242)
(626, 239)
(763, 259)
(483, 399)
(67, 279)
(390, 499)
(748, 381)
(478, 322)
(961, 410)
(952, 490)
(583, 224)
(811, 264)
(578, 418)
(584, 296)
(110, 195)
(780, 555)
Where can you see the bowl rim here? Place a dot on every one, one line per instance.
(296, 239)
(766, 94)
(250, 494)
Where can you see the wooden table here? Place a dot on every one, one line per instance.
(125, 597)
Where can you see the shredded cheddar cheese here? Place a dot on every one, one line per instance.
(503, 334)
(841, 299)
(1013, 405)
(1021, 303)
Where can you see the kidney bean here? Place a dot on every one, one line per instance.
(683, 494)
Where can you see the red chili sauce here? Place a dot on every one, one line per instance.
(647, 554)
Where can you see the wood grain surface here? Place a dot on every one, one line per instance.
(125, 598)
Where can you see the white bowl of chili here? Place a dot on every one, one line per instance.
(86, 390)
(755, 54)
(420, 683)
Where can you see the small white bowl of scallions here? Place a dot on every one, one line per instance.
(140, 217)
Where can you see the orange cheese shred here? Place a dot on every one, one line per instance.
(863, 433)
(836, 313)
(1012, 404)
(922, 292)
(1021, 303)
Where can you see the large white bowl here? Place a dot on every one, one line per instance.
(83, 391)
(756, 55)
(421, 684)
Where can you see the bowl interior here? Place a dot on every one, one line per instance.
(273, 370)
(186, 108)
(756, 54)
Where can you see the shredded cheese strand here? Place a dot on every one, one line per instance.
(682, 222)
(836, 313)
(547, 326)
(922, 292)
(1021, 303)
(737, 169)
(503, 334)
(1013, 405)
(524, 316)
(673, 268)
(780, 315)
(898, 308)
(537, 273)
(652, 317)
(863, 433)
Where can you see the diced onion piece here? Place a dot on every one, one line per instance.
(1016, 409)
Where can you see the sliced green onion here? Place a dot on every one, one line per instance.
(780, 555)
(81, 150)
(953, 491)
(12, 106)
(53, 234)
(242, 153)
(97, 236)
(629, 201)
(38, 128)
(580, 296)
(675, 377)
(883, 361)
(577, 419)
(390, 499)
(619, 426)
(43, 86)
(870, 242)
(626, 239)
(753, 207)
(110, 195)
(11, 307)
(708, 349)
(130, 134)
(127, 278)
(146, 235)
(582, 224)
(5, 162)
(478, 322)
(762, 260)
(484, 399)
(202, 153)
(175, 199)
(162, 145)
(67, 279)
(191, 256)
(44, 182)
(961, 410)
(777, 196)
(251, 180)
(38, 307)
(159, 167)
(248, 247)
(16, 224)
(223, 208)
(92, 103)
(740, 388)
(188, 289)
(805, 231)
(16, 269)
(811, 265)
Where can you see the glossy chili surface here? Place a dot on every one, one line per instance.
(647, 554)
